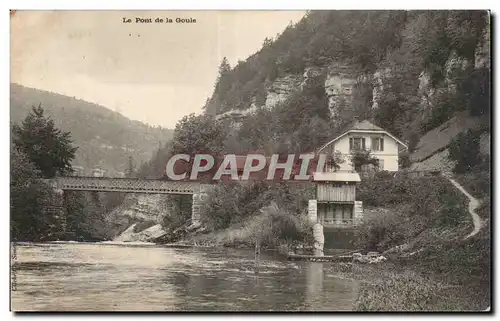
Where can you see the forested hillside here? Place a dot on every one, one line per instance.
(406, 71)
(104, 138)
(424, 76)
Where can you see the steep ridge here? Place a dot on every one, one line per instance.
(423, 76)
(105, 138)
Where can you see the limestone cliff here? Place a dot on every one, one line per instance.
(281, 89)
(137, 214)
(339, 83)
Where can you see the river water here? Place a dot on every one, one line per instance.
(121, 277)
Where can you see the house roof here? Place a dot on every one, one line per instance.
(336, 177)
(362, 126)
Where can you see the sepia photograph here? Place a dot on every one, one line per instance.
(250, 161)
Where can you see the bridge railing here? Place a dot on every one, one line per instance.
(127, 185)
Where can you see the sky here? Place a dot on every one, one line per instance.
(152, 72)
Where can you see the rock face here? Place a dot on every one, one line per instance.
(310, 74)
(148, 235)
(282, 88)
(454, 64)
(139, 213)
(339, 86)
(340, 82)
(236, 117)
(425, 92)
(379, 84)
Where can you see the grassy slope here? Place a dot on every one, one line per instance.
(445, 272)
(438, 139)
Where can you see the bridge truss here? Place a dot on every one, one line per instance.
(123, 185)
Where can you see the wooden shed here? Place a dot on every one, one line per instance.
(336, 199)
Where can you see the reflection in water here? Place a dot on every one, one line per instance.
(314, 272)
(97, 277)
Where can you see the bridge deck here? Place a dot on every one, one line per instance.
(124, 185)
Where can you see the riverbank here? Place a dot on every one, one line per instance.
(394, 287)
(414, 284)
(447, 276)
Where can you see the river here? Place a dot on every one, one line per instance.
(121, 277)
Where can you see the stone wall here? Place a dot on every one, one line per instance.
(312, 212)
(198, 199)
(358, 212)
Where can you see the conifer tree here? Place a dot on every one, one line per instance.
(47, 147)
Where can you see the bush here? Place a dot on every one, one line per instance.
(177, 211)
(404, 160)
(363, 157)
(387, 228)
(391, 289)
(465, 151)
(273, 227)
(231, 203)
(398, 292)
(379, 230)
(478, 183)
(412, 206)
(484, 210)
(247, 206)
(279, 225)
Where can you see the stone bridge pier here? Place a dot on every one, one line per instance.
(199, 196)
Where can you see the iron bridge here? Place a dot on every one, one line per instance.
(123, 185)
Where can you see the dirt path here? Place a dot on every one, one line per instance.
(473, 204)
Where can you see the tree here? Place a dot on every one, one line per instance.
(474, 91)
(363, 157)
(223, 82)
(130, 172)
(29, 197)
(465, 151)
(267, 42)
(48, 148)
(195, 134)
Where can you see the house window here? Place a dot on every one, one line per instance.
(378, 144)
(347, 213)
(356, 143)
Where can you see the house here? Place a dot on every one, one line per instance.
(77, 170)
(335, 212)
(363, 135)
(98, 172)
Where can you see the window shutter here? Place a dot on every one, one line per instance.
(363, 143)
(350, 143)
(381, 144)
